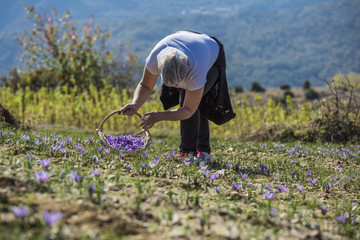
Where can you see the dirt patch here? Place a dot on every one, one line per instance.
(13, 185)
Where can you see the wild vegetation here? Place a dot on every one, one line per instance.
(273, 42)
(284, 168)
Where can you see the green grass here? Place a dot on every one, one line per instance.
(174, 200)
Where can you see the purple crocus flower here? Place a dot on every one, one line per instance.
(186, 162)
(100, 149)
(203, 166)
(121, 155)
(29, 157)
(142, 165)
(268, 186)
(107, 151)
(152, 164)
(200, 221)
(125, 143)
(236, 186)
(156, 160)
(95, 172)
(282, 188)
(37, 141)
(300, 188)
(42, 176)
(205, 173)
(51, 217)
(73, 175)
(95, 159)
(229, 166)
(291, 171)
(25, 138)
(341, 219)
(263, 166)
(273, 211)
(212, 177)
(170, 155)
(78, 146)
(217, 189)
(308, 173)
(329, 185)
(269, 195)
(323, 209)
(338, 168)
(45, 162)
(334, 178)
(248, 184)
(128, 167)
(20, 212)
(83, 151)
(92, 188)
(63, 150)
(90, 139)
(244, 176)
(313, 181)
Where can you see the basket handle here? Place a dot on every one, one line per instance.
(109, 115)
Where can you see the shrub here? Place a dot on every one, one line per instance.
(285, 86)
(340, 112)
(256, 87)
(288, 92)
(238, 89)
(311, 94)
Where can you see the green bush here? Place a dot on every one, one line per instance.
(285, 86)
(59, 52)
(238, 89)
(256, 87)
(288, 92)
(311, 94)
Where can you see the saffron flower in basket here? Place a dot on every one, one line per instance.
(125, 143)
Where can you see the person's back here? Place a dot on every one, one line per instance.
(201, 50)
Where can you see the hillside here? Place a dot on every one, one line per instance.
(272, 43)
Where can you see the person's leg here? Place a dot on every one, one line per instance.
(189, 129)
(203, 140)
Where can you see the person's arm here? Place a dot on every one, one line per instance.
(141, 93)
(191, 103)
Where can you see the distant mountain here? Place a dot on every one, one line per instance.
(272, 42)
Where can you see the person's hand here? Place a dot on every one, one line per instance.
(149, 119)
(129, 109)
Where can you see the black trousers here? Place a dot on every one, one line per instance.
(194, 131)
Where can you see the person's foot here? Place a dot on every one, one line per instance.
(203, 157)
(181, 156)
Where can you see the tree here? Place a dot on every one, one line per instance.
(57, 52)
(285, 86)
(306, 85)
(238, 89)
(256, 87)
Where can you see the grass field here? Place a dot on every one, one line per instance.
(252, 190)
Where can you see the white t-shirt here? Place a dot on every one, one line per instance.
(201, 50)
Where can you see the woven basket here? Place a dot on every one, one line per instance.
(143, 134)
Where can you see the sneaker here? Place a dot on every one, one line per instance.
(203, 156)
(181, 156)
